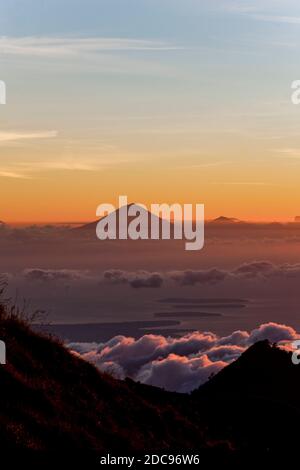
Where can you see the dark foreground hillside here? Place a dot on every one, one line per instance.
(53, 402)
(55, 405)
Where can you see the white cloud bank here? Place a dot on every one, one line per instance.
(176, 364)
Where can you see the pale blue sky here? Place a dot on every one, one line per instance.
(194, 49)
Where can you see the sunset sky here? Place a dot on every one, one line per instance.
(164, 100)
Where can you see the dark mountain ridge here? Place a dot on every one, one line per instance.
(54, 403)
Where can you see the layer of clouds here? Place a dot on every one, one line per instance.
(45, 275)
(136, 280)
(257, 270)
(190, 277)
(176, 364)
(253, 270)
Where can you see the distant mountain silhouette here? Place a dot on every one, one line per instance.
(224, 220)
(91, 227)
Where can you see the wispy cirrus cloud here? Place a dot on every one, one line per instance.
(11, 169)
(277, 18)
(12, 136)
(30, 169)
(262, 11)
(289, 152)
(74, 46)
(14, 175)
(244, 183)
